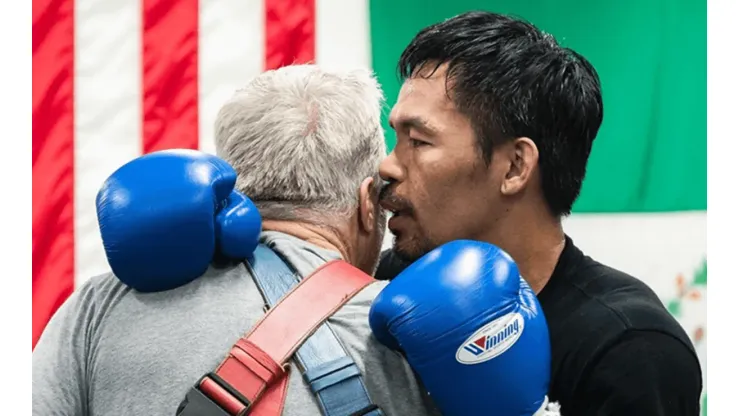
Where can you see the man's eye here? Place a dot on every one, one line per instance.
(417, 143)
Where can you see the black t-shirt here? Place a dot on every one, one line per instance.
(615, 348)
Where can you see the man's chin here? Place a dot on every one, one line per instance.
(408, 250)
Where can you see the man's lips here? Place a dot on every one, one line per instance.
(394, 208)
(397, 220)
(388, 206)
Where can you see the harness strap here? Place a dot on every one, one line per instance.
(327, 367)
(260, 358)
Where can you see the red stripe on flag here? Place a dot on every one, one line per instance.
(170, 74)
(290, 32)
(52, 158)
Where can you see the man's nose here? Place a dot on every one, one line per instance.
(390, 168)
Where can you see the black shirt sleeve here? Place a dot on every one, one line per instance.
(644, 373)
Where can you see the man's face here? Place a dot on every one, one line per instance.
(440, 188)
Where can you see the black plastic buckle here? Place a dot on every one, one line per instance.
(367, 410)
(196, 403)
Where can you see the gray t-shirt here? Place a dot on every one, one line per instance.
(112, 351)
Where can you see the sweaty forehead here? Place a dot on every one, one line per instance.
(424, 98)
(427, 87)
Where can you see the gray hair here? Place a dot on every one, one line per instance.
(302, 139)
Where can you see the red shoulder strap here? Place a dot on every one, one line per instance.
(256, 369)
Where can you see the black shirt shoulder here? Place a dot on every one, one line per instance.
(606, 329)
(390, 265)
(641, 373)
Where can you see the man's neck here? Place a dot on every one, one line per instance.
(310, 233)
(535, 241)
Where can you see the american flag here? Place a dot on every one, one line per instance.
(113, 79)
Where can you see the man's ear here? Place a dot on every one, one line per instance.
(368, 204)
(523, 157)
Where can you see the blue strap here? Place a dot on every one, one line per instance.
(329, 370)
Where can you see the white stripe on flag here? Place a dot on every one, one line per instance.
(107, 112)
(342, 34)
(231, 52)
(654, 247)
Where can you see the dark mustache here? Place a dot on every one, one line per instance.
(387, 196)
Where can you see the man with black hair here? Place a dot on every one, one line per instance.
(495, 122)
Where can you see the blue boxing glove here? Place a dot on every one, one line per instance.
(472, 329)
(163, 216)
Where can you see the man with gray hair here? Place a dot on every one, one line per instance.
(306, 144)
